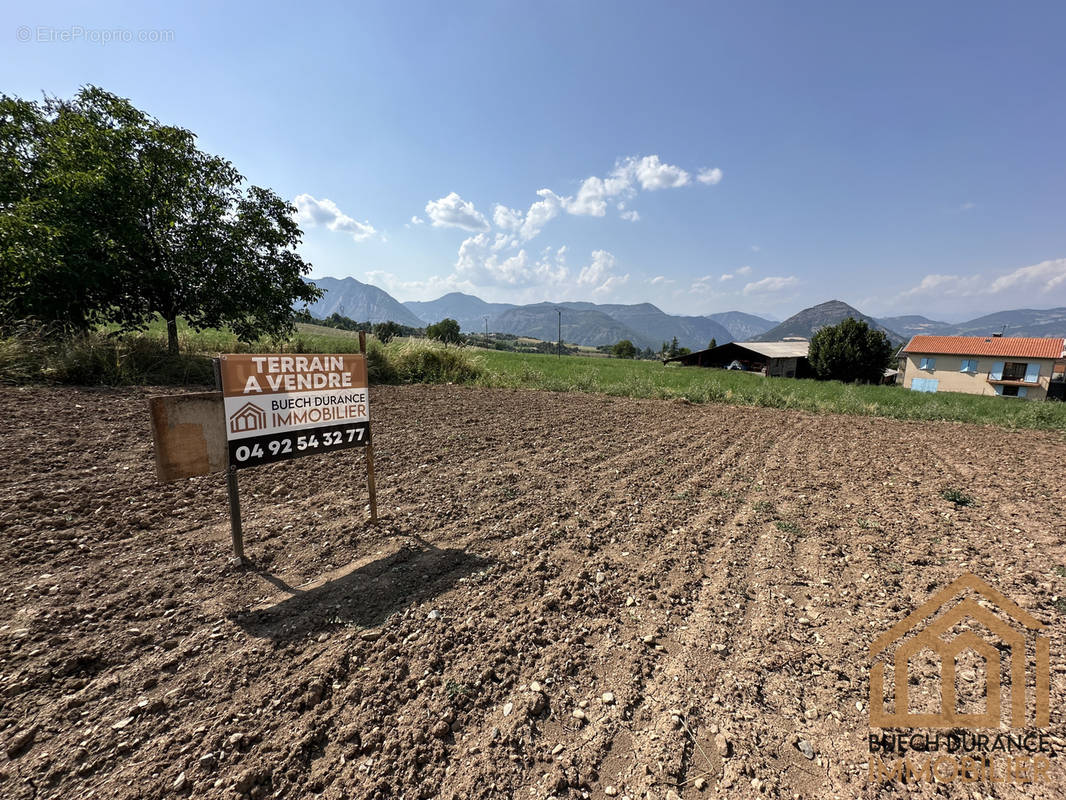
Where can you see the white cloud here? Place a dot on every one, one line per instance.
(599, 274)
(944, 284)
(745, 270)
(709, 176)
(967, 206)
(755, 248)
(591, 199)
(503, 241)
(1042, 278)
(593, 195)
(598, 271)
(417, 220)
(427, 289)
(325, 212)
(650, 173)
(702, 285)
(541, 213)
(452, 211)
(507, 218)
(480, 264)
(660, 279)
(612, 283)
(772, 284)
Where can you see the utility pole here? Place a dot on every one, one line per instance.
(486, 327)
(559, 346)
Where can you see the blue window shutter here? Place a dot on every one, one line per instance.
(1032, 372)
(997, 373)
(1022, 391)
(999, 390)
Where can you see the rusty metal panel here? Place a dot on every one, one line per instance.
(190, 434)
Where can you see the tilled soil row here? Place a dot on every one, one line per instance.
(567, 596)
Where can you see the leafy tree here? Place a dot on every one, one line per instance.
(674, 350)
(713, 344)
(624, 349)
(387, 331)
(850, 352)
(447, 331)
(108, 216)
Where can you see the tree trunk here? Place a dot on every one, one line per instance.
(172, 336)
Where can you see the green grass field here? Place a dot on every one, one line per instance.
(307, 339)
(99, 359)
(653, 379)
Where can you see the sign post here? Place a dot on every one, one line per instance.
(279, 407)
(232, 490)
(371, 490)
(269, 407)
(235, 514)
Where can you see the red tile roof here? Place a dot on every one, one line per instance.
(1009, 346)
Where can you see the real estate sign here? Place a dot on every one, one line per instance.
(286, 406)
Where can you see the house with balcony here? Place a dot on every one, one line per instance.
(992, 365)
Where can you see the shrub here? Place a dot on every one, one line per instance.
(378, 366)
(958, 497)
(22, 354)
(421, 362)
(30, 355)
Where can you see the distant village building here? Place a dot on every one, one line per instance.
(786, 359)
(990, 365)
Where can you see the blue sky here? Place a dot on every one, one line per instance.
(903, 157)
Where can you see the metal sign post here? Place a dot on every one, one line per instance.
(371, 490)
(235, 515)
(236, 532)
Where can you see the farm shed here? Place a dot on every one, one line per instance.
(786, 359)
(992, 365)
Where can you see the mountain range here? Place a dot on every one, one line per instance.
(360, 301)
(583, 323)
(647, 325)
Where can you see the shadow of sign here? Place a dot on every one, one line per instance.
(363, 597)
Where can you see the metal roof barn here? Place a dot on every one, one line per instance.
(787, 359)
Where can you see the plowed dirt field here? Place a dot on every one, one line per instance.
(567, 596)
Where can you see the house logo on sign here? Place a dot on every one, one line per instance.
(248, 417)
(1008, 643)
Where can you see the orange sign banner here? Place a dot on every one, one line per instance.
(253, 375)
